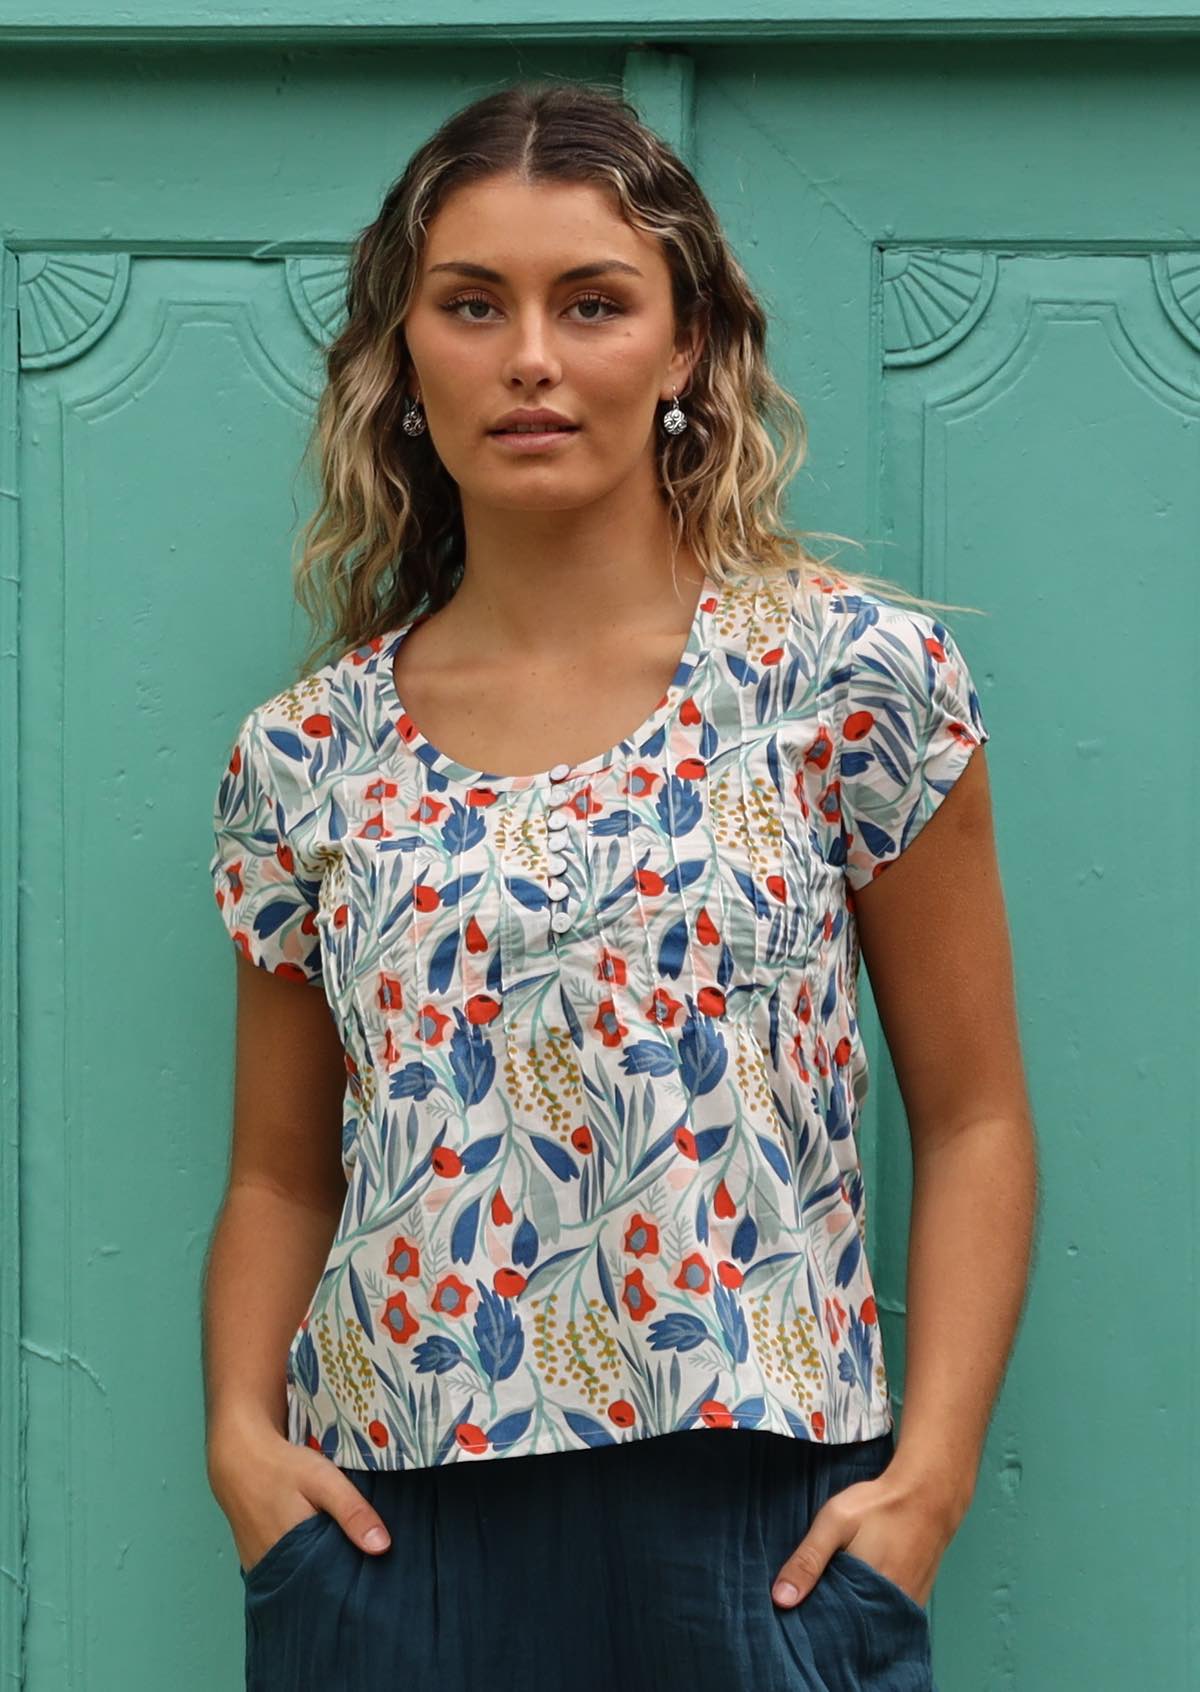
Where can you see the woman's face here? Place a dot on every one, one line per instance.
(496, 325)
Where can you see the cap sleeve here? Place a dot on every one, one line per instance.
(908, 722)
(266, 897)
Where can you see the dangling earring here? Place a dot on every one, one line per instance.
(413, 421)
(674, 422)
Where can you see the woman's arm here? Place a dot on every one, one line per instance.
(934, 937)
(284, 1197)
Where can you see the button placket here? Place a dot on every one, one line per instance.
(558, 822)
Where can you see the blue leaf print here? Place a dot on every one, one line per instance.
(702, 1221)
(733, 1322)
(773, 765)
(743, 673)
(531, 894)
(693, 1409)
(569, 1017)
(606, 1287)
(750, 1412)
(437, 1354)
(753, 896)
(656, 1148)
(499, 1336)
(773, 1029)
(542, 1271)
(615, 823)
(587, 1428)
(856, 1363)
(877, 840)
(287, 742)
(679, 806)
(330, 1441)
(441, 964)
(672, 951)
(677, 1332)
(464, 1232)
(361, 1308)
(412, 1081)
(477, 1154)
(472, 1061)
(847, 1263)
(463, 828)
(829, 999)
(337, 819)
(453, 891)
(525, 1245)
(745, 1239)
(775, 1158)
(818, 1195)
(798, 1427)
(710, 1140)
(269, 918)
(364, 1449)
(703, 1058)
(447, 1442)
(683, 874)
(508, 1430)
(557, 1161)
(647, 1057)
(725, 966)
(306, 1365)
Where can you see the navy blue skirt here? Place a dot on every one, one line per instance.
(644, 1565)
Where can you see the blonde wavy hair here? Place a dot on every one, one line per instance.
(386, 539)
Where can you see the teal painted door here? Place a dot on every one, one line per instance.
(982, 266)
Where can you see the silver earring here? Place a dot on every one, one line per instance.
(675, 422)
(413, 421)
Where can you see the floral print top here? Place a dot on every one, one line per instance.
(603, 1064)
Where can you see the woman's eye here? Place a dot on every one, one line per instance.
(481, 300)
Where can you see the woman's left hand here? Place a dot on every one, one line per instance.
(901, 1533)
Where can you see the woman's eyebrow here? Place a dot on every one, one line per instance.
(579, 273)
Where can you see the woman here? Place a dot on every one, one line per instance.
(562, 1364)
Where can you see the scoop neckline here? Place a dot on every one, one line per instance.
(415, 744)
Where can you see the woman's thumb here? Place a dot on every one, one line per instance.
(360, 1522)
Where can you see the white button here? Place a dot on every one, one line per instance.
(556, 795)
(557, 820)
(559, 771)
(560, 921)
(559, 889)
(555, 864)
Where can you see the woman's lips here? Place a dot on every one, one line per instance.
(531, 440)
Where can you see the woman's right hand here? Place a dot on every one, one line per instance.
(266, 1486)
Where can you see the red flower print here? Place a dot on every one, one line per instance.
(474, 937)
(471, 1437)
(802, 1004)
(648, 882)
(694, 1274)
(772, 655)
(429, 810)
(622, 1412)
(481, 796)
(711, 1001)
(392, 1053)
(377, 1432)
(723, 1205)
(707, 931)
(777, 887)
(501, 1212)
(318, 725)
(582, 805)
(714, 1414)
(867, 1312)
(611, 968)
(663, 1009)
(451, 1296)
(690, 713)
(729, 1274)
(406, 728)
(391, 993)
(640, 782)
(606, 1023)
(340, 915)
(691, 769)
(935, 648)
(380, 789)
(397, 1319)
(445, 1161)
(581, 1139)
(404, 1258)
(425, 898)
(431, 1025)
(685, 1142)
(796, 1053)
(818, 1424)
(637, 1297)
(641, 1236)
(841, 1052)
(509, 1282)
(858, 725)
(482, 1007)
(829, 802)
